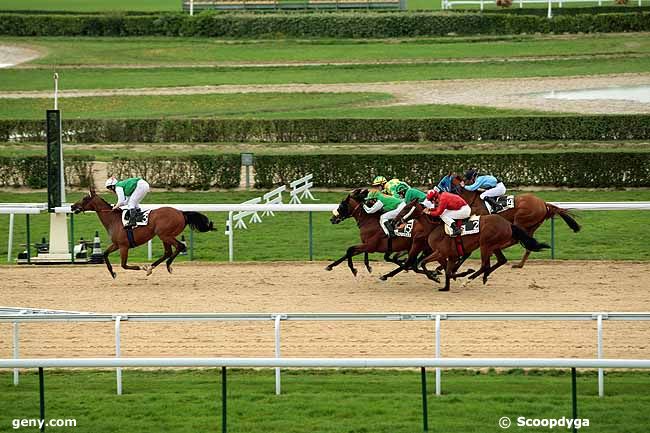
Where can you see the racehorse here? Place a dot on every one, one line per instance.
(373, 238)
(529, 212)
(495, 234)
(164, 222)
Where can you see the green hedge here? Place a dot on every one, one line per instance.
(193, 172)
(571, 169)
(31, 171)
(595, 127)
(334, 25)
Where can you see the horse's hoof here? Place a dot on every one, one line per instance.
(328, 268)
(354, 272)
(169, 269)
(444, 289)
(517, 266)
(383, 278)
(114, 275)
(484, 281)
(148, 269)
(471, 271)
(370, 269)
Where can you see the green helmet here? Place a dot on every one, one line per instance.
(401, 187)
(378, 181)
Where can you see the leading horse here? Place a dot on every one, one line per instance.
(164, 222)
(529, 212)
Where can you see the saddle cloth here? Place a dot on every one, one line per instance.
(504, 203)
(404, 230)
(143, 218)
(469, 226)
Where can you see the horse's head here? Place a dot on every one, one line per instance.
(88, 202)
(349, 205)
(413, 210)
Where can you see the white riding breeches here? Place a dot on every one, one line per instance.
(389, 216)
(497, 191)
(448, 216)
(428, 204)
(141, 189)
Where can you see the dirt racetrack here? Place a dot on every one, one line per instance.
(298, 287)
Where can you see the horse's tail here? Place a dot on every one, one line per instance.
(528, 242)
(198, 221)
(552, 210)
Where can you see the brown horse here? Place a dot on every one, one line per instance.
(496, 233)
(165, 222)
(529, 212)
(373, 238)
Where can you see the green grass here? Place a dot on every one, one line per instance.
(170, 51)
(91, 5)
(245, 105)
(26, 79)
(387, 401)
(606, 235)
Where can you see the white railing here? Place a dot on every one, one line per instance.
(446, 4)
(9, 317)
(300, 189)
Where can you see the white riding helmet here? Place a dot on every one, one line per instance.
(111, 181)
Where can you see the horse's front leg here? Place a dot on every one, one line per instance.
(124, 256)
(336, 262)
(110, 249)
(367, 262)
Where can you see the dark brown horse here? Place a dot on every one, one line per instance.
(496, 233)
(165, 222)
(373, 238)
(529, 212)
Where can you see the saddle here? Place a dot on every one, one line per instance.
(503, 203)
(142, 218)
(468, 226)
(405, 230)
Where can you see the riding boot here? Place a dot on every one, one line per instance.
(493, 203)
(389, 227)
(133, 218)
(455, 230)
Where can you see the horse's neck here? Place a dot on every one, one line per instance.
(473, 200)
(105, 213)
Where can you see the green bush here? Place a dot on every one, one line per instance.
(31, 171)
(571, 169)
(594, 127)
(193, 172)
(329, 24)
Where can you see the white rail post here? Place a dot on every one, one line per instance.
(601, 380)
(16, 350)
(481, 5)
(278, 389)
(191, 7)
(549, 14)
(437, 353)
(231, 240)
(11, 237)
(117, 354)
(149, 250)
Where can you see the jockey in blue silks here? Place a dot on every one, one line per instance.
(493, 187)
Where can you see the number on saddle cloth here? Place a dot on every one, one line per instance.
(503, 202)
(468, 226)
(143, 218)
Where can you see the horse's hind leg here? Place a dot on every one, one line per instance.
(180, 247)
(168, 252)
(522, 261)
(367, 262)
(110, 249)
(501, 260)
(124, 256)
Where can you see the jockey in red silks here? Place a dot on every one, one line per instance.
(449, 207)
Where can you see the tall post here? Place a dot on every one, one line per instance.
(59, 242)
(72, 237)
(574, 396)
(191, 8)
(29, 241)
(278, 388)
(311, 238)
(149, 250)
(41, 394)
(224, 424)
(425, 411)
(552, 237)
(118, 350)
(16, 351)
(601, 379)
(10, 242)
(231, 239)
(549, 14)
(438, 391)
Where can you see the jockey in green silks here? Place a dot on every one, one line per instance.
(391, 207)
(403, 190)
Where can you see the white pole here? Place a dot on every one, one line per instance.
(11, 236)
(191, 7)
(601, 381)
(481, 4)
(231, 240)
(56, 91)
(16, 352)
(277, 354)
(437, 353)
(549, 15)
(117, 353)
(149, 250)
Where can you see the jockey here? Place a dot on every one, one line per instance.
(408, 194)
(450, 207)
(399, 190)
(391, 207)
(389, 187)
(493, 187)
(379, 182)
(130, 192)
